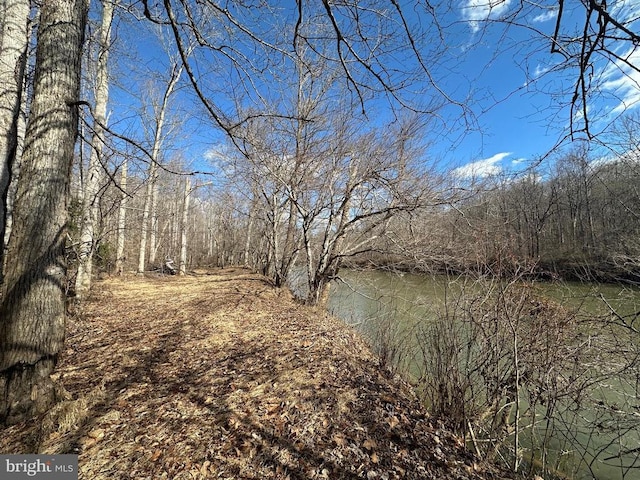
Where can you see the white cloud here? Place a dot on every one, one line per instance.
(546, 16)
(625, 10)
(219, 158)
(482, 168)
(216, 152)
(623, 81)
(619, 79)
(476, 11)
(604, 160)
(540, 70)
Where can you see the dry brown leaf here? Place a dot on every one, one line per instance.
(369, 444)
(87, 442)
(221, 376)
(339, 440)
(97, 434)
(393, 421)
(387, 398)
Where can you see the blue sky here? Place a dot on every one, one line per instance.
(531, 120)
(508, 72)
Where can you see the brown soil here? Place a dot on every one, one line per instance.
(220, 375)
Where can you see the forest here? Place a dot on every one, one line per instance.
(298, 137)
(578, 221)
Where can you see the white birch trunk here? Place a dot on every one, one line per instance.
(15, 173)
(94, 173)
(153, 231)
(122, 216)
(184, 225)
(14, 20)
(145, 215)
(153, 166)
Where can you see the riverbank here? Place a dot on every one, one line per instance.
(220, 375)
(557, 270)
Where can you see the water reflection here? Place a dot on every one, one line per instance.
(368, 299)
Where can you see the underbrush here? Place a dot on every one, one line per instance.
(529, 383)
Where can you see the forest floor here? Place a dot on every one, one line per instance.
(220, 375)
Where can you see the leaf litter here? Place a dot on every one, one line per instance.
(220, 375)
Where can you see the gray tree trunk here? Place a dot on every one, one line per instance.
(153, 228)
(247, 243)
(14, 20)
(15, 173)
(94, 173)
(32, 313)
(153, 166)
(142, 252)
(183, 226)
(122, 214)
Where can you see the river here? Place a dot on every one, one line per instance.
(600, 439)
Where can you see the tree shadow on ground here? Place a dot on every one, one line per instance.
(197, 378)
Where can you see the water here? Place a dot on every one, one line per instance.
(372, 301)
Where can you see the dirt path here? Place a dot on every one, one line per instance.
(222, 376)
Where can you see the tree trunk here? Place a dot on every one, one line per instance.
(319, 295)
(94, 173)
(142, 252)
(32, 313)
(153, 231)
(122, 214)
(183, 226)
(15, 175)
(153, 165)
(248, 238)
(13, 53)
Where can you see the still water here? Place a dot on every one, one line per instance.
(364, 298)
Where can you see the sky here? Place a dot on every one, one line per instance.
(507, 73)
(529, 121)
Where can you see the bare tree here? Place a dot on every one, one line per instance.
(368, 179)
(605, 34)
(160, 112)
(32, 313)
(592, 43)
(94, 177)
(184, 224)
(122, 215)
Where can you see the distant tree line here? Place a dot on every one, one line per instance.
(579, 219)
(575, 219)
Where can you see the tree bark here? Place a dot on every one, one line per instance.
(14, 174)
(32, 313)
(94, 173)
(122, 214)
(153, 166)
(153, 230)
(13, 53)
(183, 226)
(248, 239)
